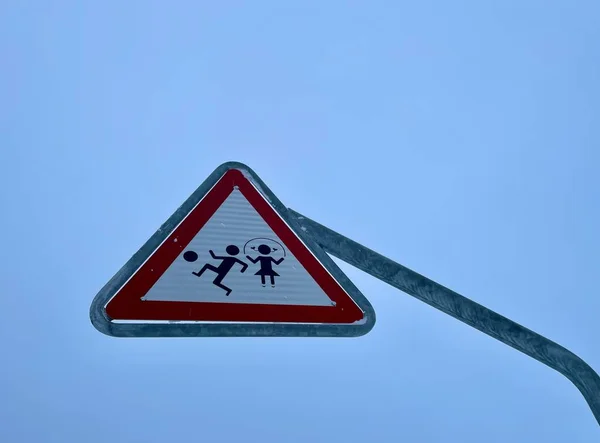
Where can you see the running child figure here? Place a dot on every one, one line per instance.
(266, 264)
(223, 269)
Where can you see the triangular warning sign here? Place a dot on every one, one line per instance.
(232, 258)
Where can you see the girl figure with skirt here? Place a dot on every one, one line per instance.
(266, 265)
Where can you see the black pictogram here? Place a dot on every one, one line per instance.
(266, 264)
(223, 269)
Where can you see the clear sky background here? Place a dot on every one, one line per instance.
(459, 138)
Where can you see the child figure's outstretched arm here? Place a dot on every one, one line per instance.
(253, 260)
(244, 265)
(216, 257)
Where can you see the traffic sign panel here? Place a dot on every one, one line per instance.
(231, 263)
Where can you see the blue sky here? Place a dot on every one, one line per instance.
(458, 138)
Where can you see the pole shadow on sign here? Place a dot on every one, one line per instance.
(127, 306)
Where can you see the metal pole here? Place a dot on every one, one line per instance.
(467, 311)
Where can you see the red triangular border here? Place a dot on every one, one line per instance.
(127, 303)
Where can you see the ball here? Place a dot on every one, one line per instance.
(190, 256)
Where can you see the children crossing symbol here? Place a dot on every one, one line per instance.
(264, 260)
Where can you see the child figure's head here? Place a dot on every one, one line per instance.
(264, 249)
(232, 250)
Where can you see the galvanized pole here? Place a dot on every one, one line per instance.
(459, 307)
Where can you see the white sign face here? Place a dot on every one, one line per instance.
(237, 258)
